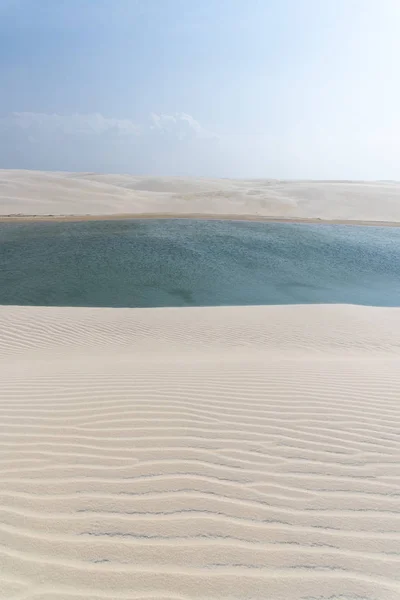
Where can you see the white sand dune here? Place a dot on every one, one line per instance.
(45, 193)
(205, 453)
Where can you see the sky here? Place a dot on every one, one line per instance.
(286, 89)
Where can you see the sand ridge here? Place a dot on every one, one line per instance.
(210, 453)
(85, 195)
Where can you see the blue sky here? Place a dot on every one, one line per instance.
(218, 88)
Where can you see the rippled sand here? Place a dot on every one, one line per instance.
(209, 453)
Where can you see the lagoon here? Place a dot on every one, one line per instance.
(149, 263)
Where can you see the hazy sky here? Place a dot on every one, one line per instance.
(219, 88)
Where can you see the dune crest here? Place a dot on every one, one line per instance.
(58, 193)
(210, 453)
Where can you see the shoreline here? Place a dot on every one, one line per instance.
(191, 216)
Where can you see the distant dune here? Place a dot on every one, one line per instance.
(47, 193)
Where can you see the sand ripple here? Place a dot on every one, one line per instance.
(221, 453)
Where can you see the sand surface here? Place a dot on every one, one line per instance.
(47, 193)
(205, 453)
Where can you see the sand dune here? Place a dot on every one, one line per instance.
(222, 453)
(45, 193)
(209, 453)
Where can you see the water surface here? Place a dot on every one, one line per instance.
(197, 263)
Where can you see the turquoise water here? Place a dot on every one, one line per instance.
(197, 263)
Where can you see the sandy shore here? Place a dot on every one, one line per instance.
(200, 453)
(198, 216)
(72, 196)
(210, 453)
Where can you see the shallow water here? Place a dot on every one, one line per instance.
(197, 263)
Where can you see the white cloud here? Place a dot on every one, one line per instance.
(180, 124)
(163, 144)
(91, 124)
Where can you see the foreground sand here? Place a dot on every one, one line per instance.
(216, 453)
(84, 195)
